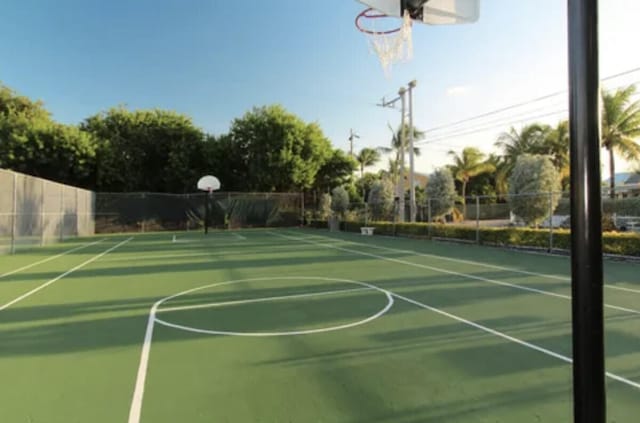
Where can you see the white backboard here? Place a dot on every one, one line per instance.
(435, 12)
(208, 183)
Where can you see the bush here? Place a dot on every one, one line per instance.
(339, 201)
(627, 244)
(441, 191)
(533, 177)
(381, 200)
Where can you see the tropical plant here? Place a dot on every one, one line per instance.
(468, 164)
(441, 192)
(533, 181)
(620, 128)
(396, 147)
(528, 140)
(367, 157)
(556, 145)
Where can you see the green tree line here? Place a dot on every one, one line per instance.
(120, 150)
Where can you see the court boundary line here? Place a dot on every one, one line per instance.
(135, 411)
(29, 266)
(477, 263)
(465, 275)
(62, 275)
(466, 321)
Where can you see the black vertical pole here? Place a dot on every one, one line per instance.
(206, 212)
(586, 226)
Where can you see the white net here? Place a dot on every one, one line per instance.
(392, 47)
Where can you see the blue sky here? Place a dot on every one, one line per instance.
(214, 60)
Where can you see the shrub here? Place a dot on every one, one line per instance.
(441, 190)
(533, 177)
(381, 200)
(339, 201)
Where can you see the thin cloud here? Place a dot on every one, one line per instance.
(458, 90)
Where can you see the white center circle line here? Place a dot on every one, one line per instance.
(365, 286)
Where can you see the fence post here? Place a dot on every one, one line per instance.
(14, 213)
(144, 212)
(61, 213)
(42, 215)
(550, 221)
(429, 222)
(477, 220)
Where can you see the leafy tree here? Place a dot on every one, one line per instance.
(441, 191)
(381, 200)
(365, 183)
(470, 163)
(337, 170)
(620, 128)
(367, 157)
(339, 201)
(277, 151)
(146, 150)
(531, 181)
(32, 143)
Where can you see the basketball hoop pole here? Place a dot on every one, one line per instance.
(589, 395)
(206, 211)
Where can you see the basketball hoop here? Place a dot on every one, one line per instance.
(393, 45)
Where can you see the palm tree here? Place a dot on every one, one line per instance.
(556, 145)
(620, 128)
(396, 145)
(367, 157)
(528, 141)
(501, 175)
(468, 165)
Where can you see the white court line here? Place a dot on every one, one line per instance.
(238, 236)
(463, 275)
(138, 394)
(57, 278)
(244, 252)
(51, 258)
(476, 263)
(469, 322)
(259, 300)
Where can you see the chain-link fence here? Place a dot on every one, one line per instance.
(147, 212)
(532, 220)
(35, 211)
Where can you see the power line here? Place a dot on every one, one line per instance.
(504, 120)
(521, 104)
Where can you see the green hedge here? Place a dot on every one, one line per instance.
(620, 206)
(627, 244)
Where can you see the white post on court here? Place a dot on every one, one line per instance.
(42, 215)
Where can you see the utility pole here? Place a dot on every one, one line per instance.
(412, 184)
(403, 100)
(352, 136)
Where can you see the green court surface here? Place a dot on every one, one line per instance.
(299, 326)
